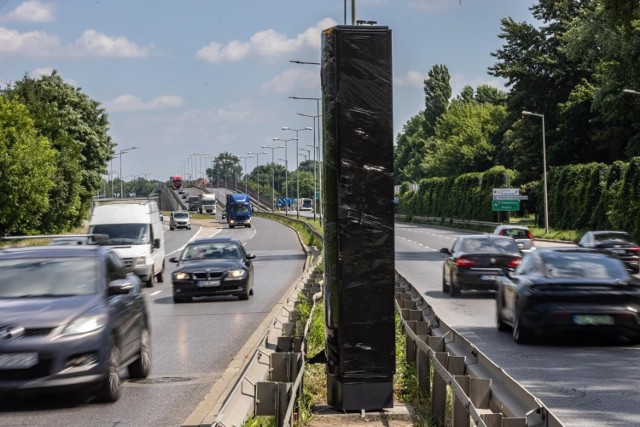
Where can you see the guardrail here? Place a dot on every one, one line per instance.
(446, 361)
(449, 221)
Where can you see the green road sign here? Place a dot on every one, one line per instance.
(505, 205)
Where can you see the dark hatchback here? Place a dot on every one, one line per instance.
(213, 266)
(619, 243)
(475, 261)
(71, 317)
(569, 290)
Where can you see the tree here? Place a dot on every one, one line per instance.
(77, 128)
(27, 170)
(437, 92)
(226, 167)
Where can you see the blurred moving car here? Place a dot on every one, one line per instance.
(475, 261)
(520, 233)
(71, 317)
(213, 266)
(617, 242)
(568, 290)
(180, 219)
(69, 240)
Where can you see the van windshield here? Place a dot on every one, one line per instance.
(123, 234)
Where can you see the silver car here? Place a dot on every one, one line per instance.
(520, 233)
(180, 219)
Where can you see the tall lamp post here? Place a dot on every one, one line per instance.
(286, 171)
(544, 169)
(257, 155)
(306, 157)
(246, 173)
(273, 175)
(317, 171)
(297, 165)
(120, 153)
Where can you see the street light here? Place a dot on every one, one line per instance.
(286, 171)
(120, 153)
(317, 171)
(258, 169)
(273, 175)
(246, 173)
(297, 165)
(544, 169)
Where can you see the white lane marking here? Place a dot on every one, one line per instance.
(155, 293)
(417, 243)
(192, 238)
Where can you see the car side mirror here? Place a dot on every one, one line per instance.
(251, 256)
(156, 243)
(120, 287)
(174, 259)
(445, 251)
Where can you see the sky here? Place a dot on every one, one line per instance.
(187, 80)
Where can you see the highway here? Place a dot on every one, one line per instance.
(585, 382)
(192, 343)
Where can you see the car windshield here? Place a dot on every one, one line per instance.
(48, 277)
(181, 215)
(489, 245)
(200, 251)
(584, 265)
(123, 234)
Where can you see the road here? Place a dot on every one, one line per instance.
(192, 343)
(586, 383)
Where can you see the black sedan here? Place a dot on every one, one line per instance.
(71, 317)
(617, 242)
(568, 290)
(476, 261)
(213, 266)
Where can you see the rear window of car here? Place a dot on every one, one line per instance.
(584, 265)
(609, 237)
(489, 245)
(50, 277)
(516, 233)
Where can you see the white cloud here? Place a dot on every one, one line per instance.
(31, 43)
(292, 78)
(133, 103)
(30, 11)
(264, 44)
(90, 44)
(93, 43)
(414, 79)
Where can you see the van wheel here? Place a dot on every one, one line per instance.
(160, 276)
(149, 283)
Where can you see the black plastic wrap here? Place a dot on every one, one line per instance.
(358, 207)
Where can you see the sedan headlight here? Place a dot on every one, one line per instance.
(90, 321)
(236, 274)
(181, 275)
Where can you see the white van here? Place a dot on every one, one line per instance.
(135, 233)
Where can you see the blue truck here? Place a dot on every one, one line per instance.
(238, 210)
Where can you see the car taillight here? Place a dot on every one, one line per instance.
(530, 236)
(636, 249)
(514, 263)
(465, 262)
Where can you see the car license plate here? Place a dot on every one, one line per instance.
(208, 283)
(486, 277)
(593, 319)
(618, 251)
(18, 360)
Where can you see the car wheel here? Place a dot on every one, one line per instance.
(445, 287)
(109, 390)
(160, 276)
(141, 367)
(521, 334)
(171, 229)
(231, 227)
(245, 295)
(179, 300)
(454, 291)
(499, 320)
(251, 291)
